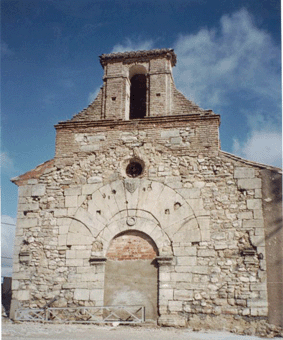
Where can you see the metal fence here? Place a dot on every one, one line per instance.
(105, 314)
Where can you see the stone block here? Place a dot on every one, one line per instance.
(38, 190)
(172, 320)
(204, 222)
(27, 222)
(81, 294)
(94, 180)
(62, 240)
(71, 201)
(254, 203)
(90, 148)
(206, 253)
(60, 212)
(28, 206)
(74, 262)
(78, 239)
(187, 261)
(183, 294)
(220, 246)
(257, 303)
(198, 269)
(258, 214)
(73, 191)
(259, 311)
(248, 224)
(189, 193)
(71, 211)
(245, 215)
(22, 295)
(96, 295)
(197, 205)
(181, 277)
(257, 240)
(15, 284)
(70, 254)
(63, 221)
(165, 294)
(259, 232)
(175, 306)
(205, 235)
(170, 133)
(96, 138)
(25, 191)
(32, 181)
(242, 172)
(63, 229)
(88, 189)
(258, 193)
(90, 277)
(164, 276)
(83, 254)
(185, 251)
(175, 140)
(251, 183)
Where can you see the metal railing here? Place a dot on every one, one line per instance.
(103, 314)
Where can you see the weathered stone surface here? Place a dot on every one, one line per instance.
(251, 183)
(38, 190)
(203, 212)
(243, 172)
(81, 294)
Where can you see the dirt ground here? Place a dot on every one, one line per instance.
(38, 331)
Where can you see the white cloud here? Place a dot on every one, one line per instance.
(93, 95)
(235, 69)
(5, 50)
(261, 146)
(130, 45)
(7, 244)
(6, 163)
(236, 61)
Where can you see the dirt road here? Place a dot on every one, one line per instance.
(37, 331)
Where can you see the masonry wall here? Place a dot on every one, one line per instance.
(202, 210)
(189, 135)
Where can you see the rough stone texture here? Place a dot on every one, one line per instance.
(201, 210)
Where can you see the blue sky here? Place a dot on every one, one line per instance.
(228, 60)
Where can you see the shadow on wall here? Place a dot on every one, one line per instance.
(6, 294)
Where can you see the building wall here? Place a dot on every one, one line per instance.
(200, 211)
(272, 213)
(203, 212)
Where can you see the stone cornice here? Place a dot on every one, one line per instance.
(123, 56)
(138, 123)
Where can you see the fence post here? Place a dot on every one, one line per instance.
(143, 313)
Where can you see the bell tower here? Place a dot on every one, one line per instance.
(138, 84)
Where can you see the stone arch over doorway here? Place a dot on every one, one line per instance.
(163, 213)
(131, 272)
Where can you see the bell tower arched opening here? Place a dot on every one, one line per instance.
(138, 96)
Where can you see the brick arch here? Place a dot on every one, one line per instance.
(143, 222)
(132, 245)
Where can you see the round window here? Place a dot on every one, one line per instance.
(134, 168)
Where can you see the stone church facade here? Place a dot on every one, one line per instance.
(140, 206)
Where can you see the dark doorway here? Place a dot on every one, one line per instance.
(138, 96)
